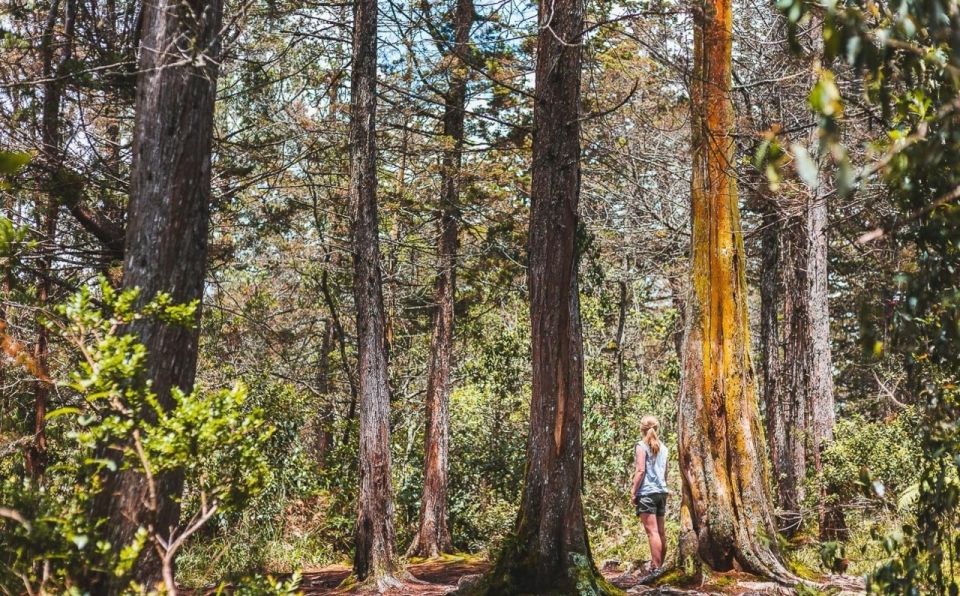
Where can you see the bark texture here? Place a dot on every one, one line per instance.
(374, 537)
(166, 234)
(433, 534)
(726, 514)
(36, 452)
(786, 353)
(795, 343)
(549, 550)
(770, 343)
(821, 408)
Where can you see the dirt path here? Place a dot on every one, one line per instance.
(436, 578)
(430, 578)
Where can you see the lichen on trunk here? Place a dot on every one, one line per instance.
(726, 510)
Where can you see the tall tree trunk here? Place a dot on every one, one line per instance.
(433, 534)
(795, 341)
(167, 221)
(792, 386)
(820, 404)
(785, 350)
(47, 217)
(771, 345)
(726, 514)
(549, 550)
(374, 557)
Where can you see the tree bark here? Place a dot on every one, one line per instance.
(36, 451)
(795, 343)
(820, 404)
(726, 513)
(770, 340)
(786, 351)
(433, 534)
(374, 557)
(793, 386)
(166, 233)
(549, 551)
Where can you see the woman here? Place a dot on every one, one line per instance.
(649, 490)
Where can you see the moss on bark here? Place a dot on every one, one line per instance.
(518, 571)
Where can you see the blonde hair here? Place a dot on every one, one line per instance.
(649, 425)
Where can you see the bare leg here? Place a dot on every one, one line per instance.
(662, 530)
(653, 535)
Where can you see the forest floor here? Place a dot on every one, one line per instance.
(439, 577)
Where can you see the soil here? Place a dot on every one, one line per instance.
(430, 578)
(439, 577)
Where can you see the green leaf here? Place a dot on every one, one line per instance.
(908, 497)
(825, 96)
(12, 162)
(62, 412)
(806, 167)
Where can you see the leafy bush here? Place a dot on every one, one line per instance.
(53, 539)
(875, 458)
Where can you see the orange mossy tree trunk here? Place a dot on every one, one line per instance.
(726, 514)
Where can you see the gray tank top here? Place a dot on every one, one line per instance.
(655, 475)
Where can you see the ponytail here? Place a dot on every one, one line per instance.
(649, 426)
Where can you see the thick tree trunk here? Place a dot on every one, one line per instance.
(374, 557)
(433, 534)
(726, 514)
(166, 234)
(771, 342)
(549, 551)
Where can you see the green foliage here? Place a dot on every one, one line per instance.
(909, 56)
(12, 162)
(875, 458)
(13, 245)
(489, 415)
(260, 586)
(53, 538)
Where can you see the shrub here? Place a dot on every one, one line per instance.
(53, 539)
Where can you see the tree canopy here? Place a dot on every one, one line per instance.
(288, 284)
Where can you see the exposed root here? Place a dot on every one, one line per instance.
(380, 583)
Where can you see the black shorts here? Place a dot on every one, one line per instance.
(652, 503)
